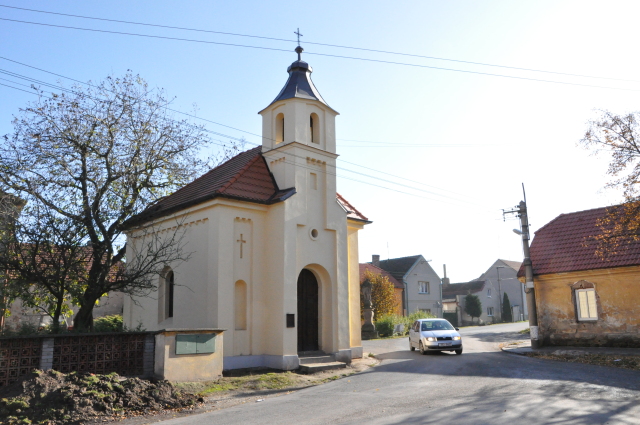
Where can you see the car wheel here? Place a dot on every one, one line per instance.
(458, 352)
(411, 347)
(422, 350)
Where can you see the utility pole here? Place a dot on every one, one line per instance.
(500, 291)
(521, 212)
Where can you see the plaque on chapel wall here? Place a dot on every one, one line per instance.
(195, 344)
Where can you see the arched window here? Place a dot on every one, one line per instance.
(314, 128)
(280, 128)
(240, 305)
(169, 290)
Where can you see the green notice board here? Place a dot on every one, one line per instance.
(196, 344)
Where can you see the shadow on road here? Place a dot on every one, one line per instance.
(503, 365)
(553, 404)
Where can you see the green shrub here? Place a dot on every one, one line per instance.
(385, 325)
(108, 324)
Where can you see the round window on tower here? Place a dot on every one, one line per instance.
(313, 234)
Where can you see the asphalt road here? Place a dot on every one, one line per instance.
(482, 386)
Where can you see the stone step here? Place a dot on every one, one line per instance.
(321, 367)
(320, 358)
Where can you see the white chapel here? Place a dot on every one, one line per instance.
(274, 247)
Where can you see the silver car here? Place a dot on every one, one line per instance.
(434, 335)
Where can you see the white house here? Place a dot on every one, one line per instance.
(422, 283)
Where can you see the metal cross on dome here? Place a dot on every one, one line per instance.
(298, 49)
(299, 35)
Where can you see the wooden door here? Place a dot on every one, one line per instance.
(307, 311)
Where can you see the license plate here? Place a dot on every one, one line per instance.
(444, 344)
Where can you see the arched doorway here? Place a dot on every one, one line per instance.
(307, 311)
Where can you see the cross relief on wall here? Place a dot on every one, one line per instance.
(242, 242)
(242, 238)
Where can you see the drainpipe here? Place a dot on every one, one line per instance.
(406, 295)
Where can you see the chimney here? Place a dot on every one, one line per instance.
(445, 279)
(375, 260)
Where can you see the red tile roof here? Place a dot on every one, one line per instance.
(566, 244)
(245, 177)
(352, 212)
(374, 269)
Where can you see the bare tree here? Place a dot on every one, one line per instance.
(618, 136)
(89, 159)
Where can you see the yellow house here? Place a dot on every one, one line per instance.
(582, 298)
(273, 247)
(398, 288)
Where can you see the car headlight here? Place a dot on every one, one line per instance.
(456, 338)
(431, 338)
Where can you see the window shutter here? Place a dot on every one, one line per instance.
(591, 302)
(587, 306)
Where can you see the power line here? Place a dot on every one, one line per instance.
(289, 162)
(324, 54)
(293, 155)
(319, 44)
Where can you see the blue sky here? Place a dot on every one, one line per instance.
(459, 143)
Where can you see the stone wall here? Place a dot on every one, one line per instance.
(618, 306)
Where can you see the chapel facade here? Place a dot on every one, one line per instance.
(273, 247)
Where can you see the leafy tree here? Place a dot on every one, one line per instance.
(619, 136)
(507, 314)
(472, 306)
(382, 295)
(88, 159)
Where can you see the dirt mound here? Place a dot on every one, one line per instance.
(56, 398)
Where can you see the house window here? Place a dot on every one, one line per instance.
(166, 295)
(423, 287)
(489, 292)
(280, 128)
(314, 128)
(489, 311)
(240, 299)
(425, 310)
(586, 304)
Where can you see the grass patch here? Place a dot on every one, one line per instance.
(525, 331)
(266, 381)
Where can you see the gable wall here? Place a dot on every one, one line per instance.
(190, 277)
(423, 272)
(486, 301)
(618, 301)
(510, 285)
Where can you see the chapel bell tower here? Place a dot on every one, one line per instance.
(298, 115)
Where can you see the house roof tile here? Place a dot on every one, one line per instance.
(374, 269)
(398, 267)
(245, 176)
(515, 265)
(453, 289)
(567, 244)
(352, 212)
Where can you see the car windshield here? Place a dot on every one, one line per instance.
(437, 325)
